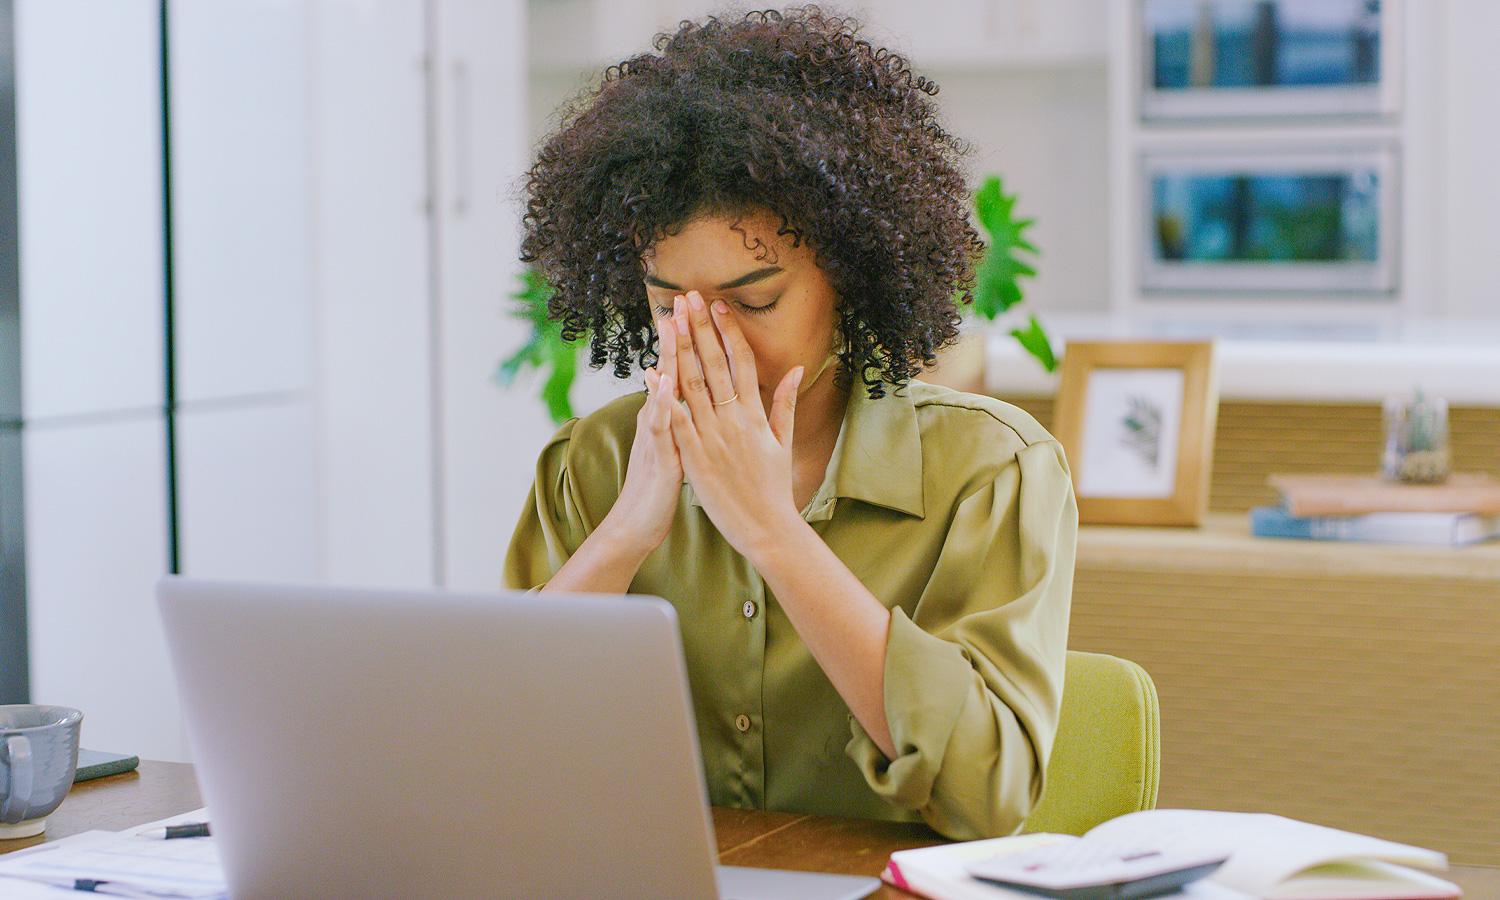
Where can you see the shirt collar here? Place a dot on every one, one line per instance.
(878, 457)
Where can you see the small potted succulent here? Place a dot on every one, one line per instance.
(1416, 439)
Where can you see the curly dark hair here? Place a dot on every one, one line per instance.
(788, 111)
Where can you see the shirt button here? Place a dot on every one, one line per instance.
(749, 609)
(742, 723)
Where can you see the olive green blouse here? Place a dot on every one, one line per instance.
(957, 512)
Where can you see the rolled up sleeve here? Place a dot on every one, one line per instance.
(973, 675)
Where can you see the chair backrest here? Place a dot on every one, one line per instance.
(1107, 755)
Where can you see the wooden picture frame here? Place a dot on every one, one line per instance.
(1136, 420)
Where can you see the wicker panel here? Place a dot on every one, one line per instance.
(1365, 703)
(1256, 439)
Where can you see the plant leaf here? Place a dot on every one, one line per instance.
(1034, 339)
(528, 355)
(544, 348)
(986, 199)
(996, 283)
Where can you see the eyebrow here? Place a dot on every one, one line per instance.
(747, 278)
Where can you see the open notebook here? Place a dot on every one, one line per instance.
(372, 744)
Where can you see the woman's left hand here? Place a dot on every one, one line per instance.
(737, 458)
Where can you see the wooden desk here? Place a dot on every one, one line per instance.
(766, 839)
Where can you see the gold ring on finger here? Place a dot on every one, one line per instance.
(730, 400)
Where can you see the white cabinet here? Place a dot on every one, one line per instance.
(490, 437)
(246, 492)
(243, 289)
(423, 460)
(373, 283)
(96, 543)
(88, 110)
(93, 326)
(242, 129)
(342, 248)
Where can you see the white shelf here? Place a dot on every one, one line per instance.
(1464, 371)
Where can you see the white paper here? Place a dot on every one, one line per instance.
(943, 870)
(1267, 849)
(13, 889)
(1131, 422)
(134, 865)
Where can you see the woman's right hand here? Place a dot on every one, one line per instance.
(608, 559)
(653, 477)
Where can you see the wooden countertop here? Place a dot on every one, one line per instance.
(1224, 543)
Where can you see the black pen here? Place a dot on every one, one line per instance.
(86, 885)
(185, 830)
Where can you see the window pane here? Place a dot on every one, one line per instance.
(1263, 43)
(1267, 216)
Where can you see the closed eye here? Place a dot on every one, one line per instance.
(757, 310)
(754, 310)
(663, 312)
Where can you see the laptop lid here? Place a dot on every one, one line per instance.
(369, 744)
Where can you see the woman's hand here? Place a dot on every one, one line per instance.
(737, 458)
(608, 559)
(653, 477)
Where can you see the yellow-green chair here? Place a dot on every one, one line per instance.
(1107, 755)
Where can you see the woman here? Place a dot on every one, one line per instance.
(872, 575)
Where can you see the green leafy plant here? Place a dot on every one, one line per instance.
(997, 289)
(997, 284)
(544, 349)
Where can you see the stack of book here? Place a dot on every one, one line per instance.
(1464, 509)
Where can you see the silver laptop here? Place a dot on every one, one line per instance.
(432, 744)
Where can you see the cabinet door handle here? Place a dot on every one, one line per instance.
(462, 138)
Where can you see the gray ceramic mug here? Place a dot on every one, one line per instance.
(38, 756)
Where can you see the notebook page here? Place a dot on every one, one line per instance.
(1266, 849)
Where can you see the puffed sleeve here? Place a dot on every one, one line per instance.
(973, 676)
(578, 477)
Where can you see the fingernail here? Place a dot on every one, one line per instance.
(696, 299)
(797, 378)
(721, 307)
